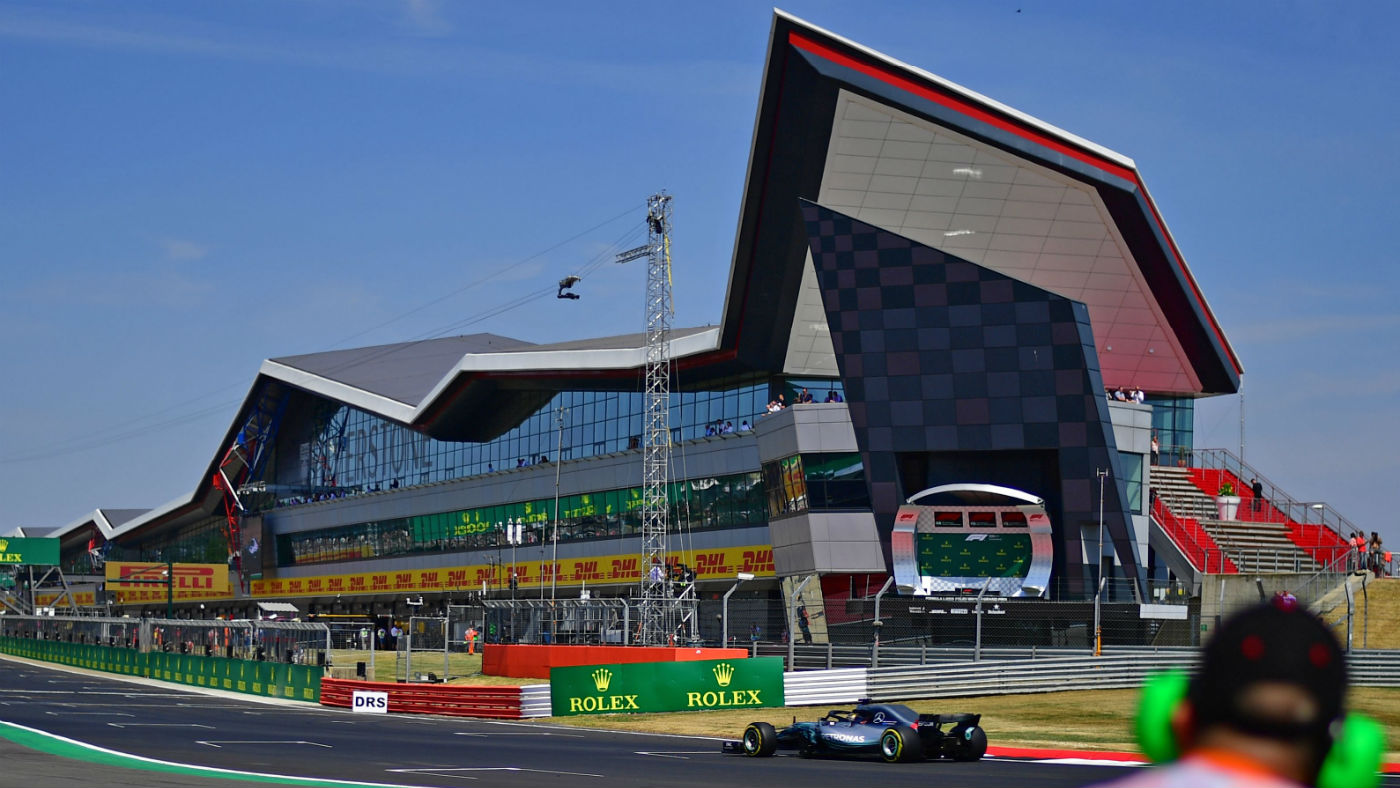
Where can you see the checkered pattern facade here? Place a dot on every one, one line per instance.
(941, 357)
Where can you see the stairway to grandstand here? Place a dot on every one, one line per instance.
(1252, 547)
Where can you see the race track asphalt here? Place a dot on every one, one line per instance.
(225, 731)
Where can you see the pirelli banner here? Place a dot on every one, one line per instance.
(145, 582)
(605, 569)
(667, 686)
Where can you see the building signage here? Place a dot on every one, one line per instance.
(145, 582)
(667, 686)
(28, 550)
(714, 564)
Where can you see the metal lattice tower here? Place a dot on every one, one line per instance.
(659, 610)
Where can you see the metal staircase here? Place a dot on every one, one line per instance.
(1254, 547)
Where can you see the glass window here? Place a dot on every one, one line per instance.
(982, 519)
(948, 519)
(1132, 472)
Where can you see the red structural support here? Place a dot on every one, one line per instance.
(450, 700)
(526, 661)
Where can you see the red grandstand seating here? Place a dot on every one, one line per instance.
(1319, 541)
(1194, 542)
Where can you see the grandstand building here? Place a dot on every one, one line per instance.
(956, 285)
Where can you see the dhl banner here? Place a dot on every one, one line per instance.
(145, 582)
(83, 596)
(707, 565)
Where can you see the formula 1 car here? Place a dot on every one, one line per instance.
(896, 732)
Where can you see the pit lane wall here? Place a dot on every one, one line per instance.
(268, 679)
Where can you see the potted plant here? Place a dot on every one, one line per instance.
(1227, 504)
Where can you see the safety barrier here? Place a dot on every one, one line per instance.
(1374, 668)
(268, 679)
(995, 677)
(816, 687)
(511, 703)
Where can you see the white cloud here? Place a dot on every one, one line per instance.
(424, 18)
(182, 251)
(1298, 327)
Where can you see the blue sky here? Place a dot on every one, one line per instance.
(187, 189)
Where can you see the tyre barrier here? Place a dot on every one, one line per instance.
(509, 703)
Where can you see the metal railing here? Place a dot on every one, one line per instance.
(1119, 671)
(1278, 505)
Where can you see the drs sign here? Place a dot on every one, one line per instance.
(370, 702)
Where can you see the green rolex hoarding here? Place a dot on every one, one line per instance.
(28, 550)
(667, 686)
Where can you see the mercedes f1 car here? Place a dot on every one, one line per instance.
(896, 732)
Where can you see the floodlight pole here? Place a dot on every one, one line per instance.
(724, 626)
(560, 415)
(1098, 560)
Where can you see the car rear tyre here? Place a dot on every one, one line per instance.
(760, 740)
(974, 745)
(899, 746)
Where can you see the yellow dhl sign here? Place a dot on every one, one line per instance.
(87, 598)
(707, 564)
(145, 582)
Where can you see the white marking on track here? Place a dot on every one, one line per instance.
(444, 771)
(219, 743)
(683, 755)
(90, 713)
(160, 725)
(518, 733)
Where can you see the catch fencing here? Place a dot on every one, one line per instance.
(290, 642)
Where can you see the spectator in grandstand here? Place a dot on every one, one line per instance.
(804, 397)
(1256, 487)
(1138, 396)
(744, 427)
(1265, 708)
(1358, 543)
(1120, 395)
(1156, 448)
(1376, 551)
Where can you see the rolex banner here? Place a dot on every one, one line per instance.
(667, 686)
(28, 550)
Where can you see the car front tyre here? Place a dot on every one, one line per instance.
(760, 740)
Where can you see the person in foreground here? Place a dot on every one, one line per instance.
(1265, 709)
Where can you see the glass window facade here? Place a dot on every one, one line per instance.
(815, 481)
(348, 452)
(1132, 476)
(1174, 422)
(698, 504)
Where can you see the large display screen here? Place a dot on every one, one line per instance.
(998, 539)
